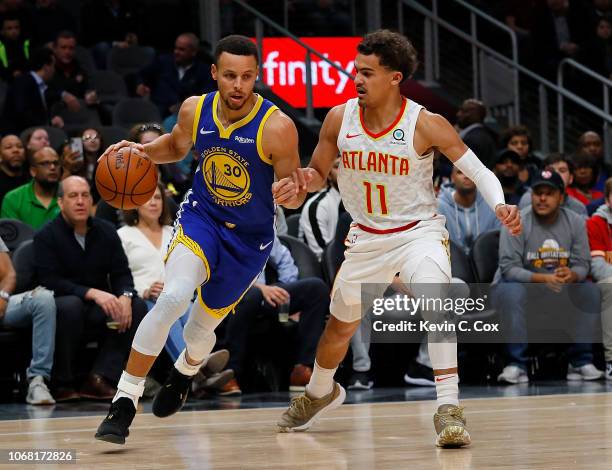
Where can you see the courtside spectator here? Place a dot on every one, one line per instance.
(565, 168)
(518, 138)
(319, 216)
(309, 296)
(600, 240)
(586, 173)
(35, 203)
(28, 98)
(173, 77)
(34, 309)
(14, 49)
(507, 168)
(70, 80)
(552, 250)
(12, 162)
(478, 137)
(94, 292)
(590, 143)
(467, 214)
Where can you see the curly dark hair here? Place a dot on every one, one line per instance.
(393, 50)
(513, 131)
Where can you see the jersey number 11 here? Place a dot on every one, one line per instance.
(381, 194)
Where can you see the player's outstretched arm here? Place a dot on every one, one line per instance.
(433, 131)
(174, 146)
(280, 144)
(170, 147)
(326, 151)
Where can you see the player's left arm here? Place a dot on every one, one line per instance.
(280, 143)
(435, 132)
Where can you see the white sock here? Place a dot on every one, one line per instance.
(321, 382)
(184, 367)
(447, 389)
(444, 356)
(131, 387)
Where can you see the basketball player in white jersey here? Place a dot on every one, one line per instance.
(386, 143)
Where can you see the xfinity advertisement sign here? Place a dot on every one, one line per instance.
(284, 68)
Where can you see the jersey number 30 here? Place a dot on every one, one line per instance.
(382, 197)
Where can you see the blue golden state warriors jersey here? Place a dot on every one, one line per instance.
(233, 181)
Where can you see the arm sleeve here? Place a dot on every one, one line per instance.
(484, 179)
(49, 268)
(580, 256)
(511, 257)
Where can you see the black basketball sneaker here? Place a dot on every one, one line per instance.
(172, 395)
(115, 427)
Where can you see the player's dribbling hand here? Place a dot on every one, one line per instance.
(122, 144)
(510, 217)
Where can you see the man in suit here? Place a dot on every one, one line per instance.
(172, 78)
(478, 137)
(28, 100)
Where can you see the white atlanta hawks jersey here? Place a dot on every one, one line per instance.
(383, 182)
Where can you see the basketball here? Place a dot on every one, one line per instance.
(126, 179)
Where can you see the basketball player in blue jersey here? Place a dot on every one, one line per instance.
(225, 226)
(386, 143)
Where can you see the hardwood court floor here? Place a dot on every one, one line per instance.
(538, 432)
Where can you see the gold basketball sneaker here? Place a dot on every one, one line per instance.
(449, 423)
(303, 411)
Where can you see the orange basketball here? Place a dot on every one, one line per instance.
(126, 179)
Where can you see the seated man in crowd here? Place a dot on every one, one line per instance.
(36, 309)
(477, 136)
(591, 143)
(565, 168)
(552, 250)
(29, 99)
(80, 258)
(309, 296)
(70, 80)
(600, 240)
(319, 216)
(35, 203)
(507, 169)
(15, 48)
(12, 160)
(172, 78)
(467, 214)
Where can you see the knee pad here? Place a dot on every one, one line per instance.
(199, 333)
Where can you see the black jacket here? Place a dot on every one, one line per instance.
(65, 268)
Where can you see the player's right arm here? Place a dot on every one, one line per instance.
(326, 151)
(171, 147)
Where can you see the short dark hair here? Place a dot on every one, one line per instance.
(237, 45)
(131, 217)
(41, 57)
(513, 131)
(65, 34)
(393, 50)
(553, 158)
